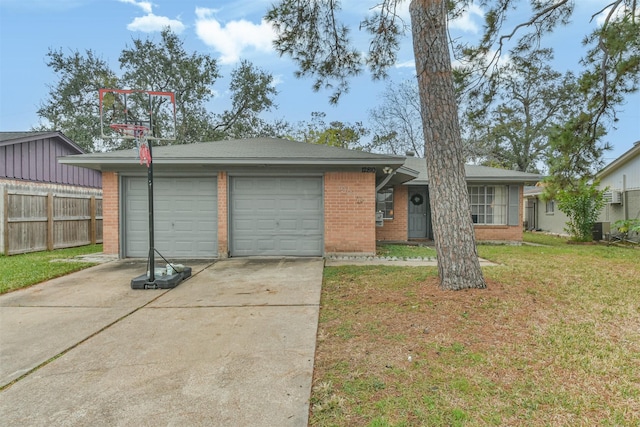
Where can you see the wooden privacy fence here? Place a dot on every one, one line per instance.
(47, 221)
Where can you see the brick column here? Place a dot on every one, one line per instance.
(349, 213)
(110, 213)
(223, 216)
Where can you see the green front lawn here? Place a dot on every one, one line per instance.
(553, 340)
(19, 271)
(405, 251)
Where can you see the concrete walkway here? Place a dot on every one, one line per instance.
(231, 346)
(391, 262)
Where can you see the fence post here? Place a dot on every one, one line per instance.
(6, 221)
(50, 243)
(92, 230)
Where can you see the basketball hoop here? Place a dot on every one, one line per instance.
(131, 130)
(131, 114)
(139, 133)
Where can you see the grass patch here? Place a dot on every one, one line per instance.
(553, 340)
(19, 271)
(545, 239)
(406, 251)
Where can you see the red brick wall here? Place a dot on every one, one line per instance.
(223, 216)
(397, 228)
(110, 213)
(498, 232)
(349, 212)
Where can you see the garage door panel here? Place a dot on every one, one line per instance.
(266, 245)
(310, 204)
(139, 185)
(207, 227)
(138, 206)
(289, 204)
(185, 217)
(289, 244)
(276, 216)
(311, 224)
(290, 225)
(186, 226)
(265, 225)
(309, 246)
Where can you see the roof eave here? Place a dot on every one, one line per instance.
(484, 180)
(42, 135)
(505, 179)
(620, 161)
(119, 161)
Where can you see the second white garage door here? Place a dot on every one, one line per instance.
(276, 216)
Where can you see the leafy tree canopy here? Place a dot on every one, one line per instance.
(72, 105)
(335, 133)
(530, 99)
(610, 63)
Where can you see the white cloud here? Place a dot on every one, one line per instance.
(151, 23)
(618, 14)
(406, 64)
(466, 22)
(146, 6)
(277, 80)
(232, 39)
(491, 57)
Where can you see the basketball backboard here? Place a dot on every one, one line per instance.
(153, 110)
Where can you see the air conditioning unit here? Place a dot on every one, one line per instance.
(613, 197)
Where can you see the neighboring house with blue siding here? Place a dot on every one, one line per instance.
(34, 186)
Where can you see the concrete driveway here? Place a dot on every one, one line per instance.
(231, 346)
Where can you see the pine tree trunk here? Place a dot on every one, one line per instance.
(454, 236)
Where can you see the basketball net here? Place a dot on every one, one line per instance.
(143, 150)
(139, 133)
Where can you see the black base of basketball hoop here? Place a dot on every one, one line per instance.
(161, 279)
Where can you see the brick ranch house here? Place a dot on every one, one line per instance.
(275, 197)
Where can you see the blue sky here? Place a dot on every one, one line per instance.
(229, 30)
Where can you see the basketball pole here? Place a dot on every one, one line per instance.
(152, 248)
(152, 261)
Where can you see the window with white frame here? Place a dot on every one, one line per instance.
(489, 204)
(384, 203)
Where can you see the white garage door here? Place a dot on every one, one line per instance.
(276, 216)
(185, 217)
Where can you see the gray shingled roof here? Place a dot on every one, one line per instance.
(283, 152)
(11, 138)
(8, 136)
(474, 173)
(256, 151)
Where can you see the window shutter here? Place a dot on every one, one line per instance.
(514, 205)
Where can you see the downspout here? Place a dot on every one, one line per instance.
(624, 197)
